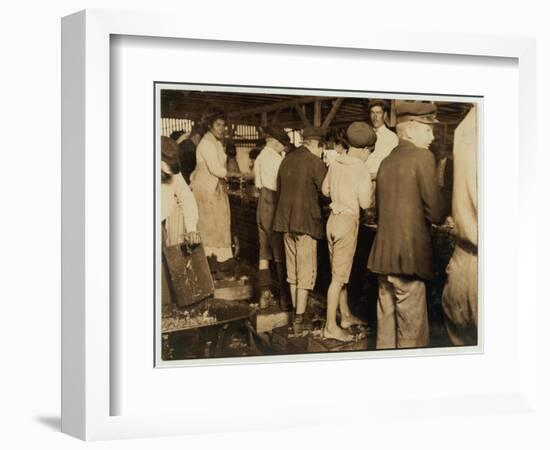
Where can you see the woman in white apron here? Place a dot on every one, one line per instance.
(209, 188)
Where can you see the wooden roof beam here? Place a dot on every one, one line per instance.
(276, 106)
(302, 114)
(335, 107)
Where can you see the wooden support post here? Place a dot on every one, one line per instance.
(263, 119)
(332, 113)
(393, 115)
(300, 109)
(275, 118)
(317, 113)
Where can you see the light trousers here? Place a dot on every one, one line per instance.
(402, 313)
(459, 300)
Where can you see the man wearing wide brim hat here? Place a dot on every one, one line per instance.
(298, 215)
(408, 200)
(266, 171)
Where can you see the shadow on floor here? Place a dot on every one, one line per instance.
(52, 422)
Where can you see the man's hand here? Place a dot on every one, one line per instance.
(248, 176)
(236, 246)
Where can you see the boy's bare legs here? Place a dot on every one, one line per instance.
(293, 294)
(332, 330)
(264, 284)
(347, 319)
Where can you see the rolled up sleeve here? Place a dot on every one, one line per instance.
(190, 209)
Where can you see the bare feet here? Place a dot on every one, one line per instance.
(337, 333)
(351, 320)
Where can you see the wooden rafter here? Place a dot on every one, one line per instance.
(335, 107)
(317, 113)
(275, 118)
(302, 114)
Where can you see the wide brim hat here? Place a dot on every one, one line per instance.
(314, 133)
(277, 133)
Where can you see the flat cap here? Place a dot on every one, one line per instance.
(314, 133)
(378, 102)
(361, 134)
(416, 111)
(277, 133)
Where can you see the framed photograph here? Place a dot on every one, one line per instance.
(234, 207)
(217, 304)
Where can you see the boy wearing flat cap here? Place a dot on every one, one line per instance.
(298, 215)
(349, 187)
(266, 171)
(408, 200)
(361, 138)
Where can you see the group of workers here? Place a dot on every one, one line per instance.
(374, 167)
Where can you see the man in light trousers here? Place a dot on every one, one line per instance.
(408, 200)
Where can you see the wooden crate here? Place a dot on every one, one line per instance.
(270, 318)
(233, 290)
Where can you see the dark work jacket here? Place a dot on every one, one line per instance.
(301, 176)
(408, 200)
(187, 158)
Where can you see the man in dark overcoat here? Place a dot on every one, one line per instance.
(408, 201)
(298, 215)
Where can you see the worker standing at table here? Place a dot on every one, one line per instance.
(179, 212)
(459, 299)
(188, 152)
(348, 186)
(386, 140)
(298, 215)
(209, 188)
(408, 200)
(266, 172)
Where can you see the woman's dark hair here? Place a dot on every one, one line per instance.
(213, 116)
(197, 129)
(338, 136)
(176, 134)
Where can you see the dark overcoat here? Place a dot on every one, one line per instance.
(408, 201)
(300, 178)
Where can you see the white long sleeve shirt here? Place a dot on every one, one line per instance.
(386, 141)
(266, 168)
(465, 178)
(348, 185)
(178, 200)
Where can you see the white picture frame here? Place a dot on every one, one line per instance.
(86, 245)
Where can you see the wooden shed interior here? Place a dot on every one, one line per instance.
(253, 110)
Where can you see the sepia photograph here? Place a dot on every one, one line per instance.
(292, 221)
